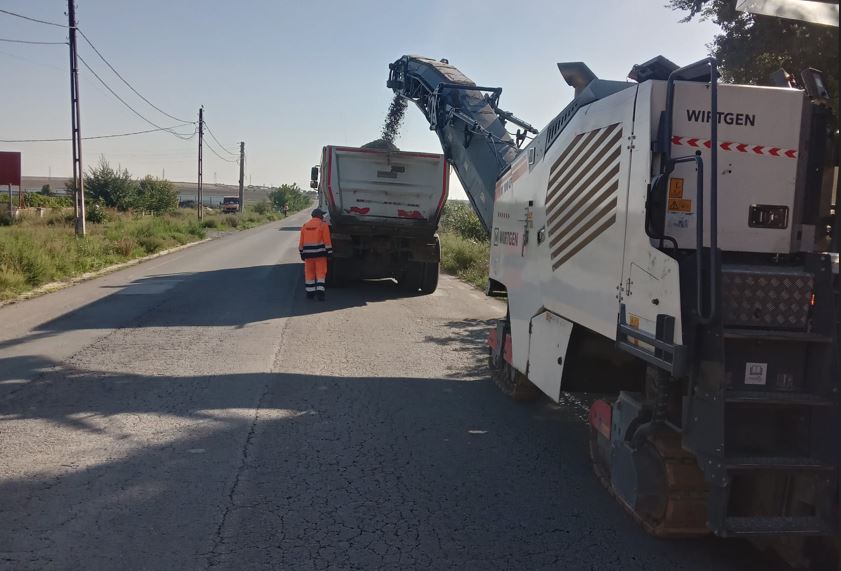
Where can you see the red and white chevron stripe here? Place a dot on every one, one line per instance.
(763, 150)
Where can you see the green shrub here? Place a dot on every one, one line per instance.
(156, 195)
(195, 229)
(151, 244)
(291, 195)
(42, 201)
(210, 223)
(96, 214)
(262, 208)
(459, 218)
(36, 267)
(111, 187)
(465, 258)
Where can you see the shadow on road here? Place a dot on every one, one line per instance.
(233, 297)
(437, 472)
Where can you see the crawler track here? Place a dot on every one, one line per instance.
(683, 510)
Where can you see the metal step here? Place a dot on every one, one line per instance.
(782, 525)
(775, 398)
(735, 463)
(775, 335)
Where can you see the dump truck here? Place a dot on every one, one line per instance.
(671, 242)
(383, 207)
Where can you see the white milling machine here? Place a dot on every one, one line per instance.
(667, 241)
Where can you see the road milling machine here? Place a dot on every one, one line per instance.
(670, 241)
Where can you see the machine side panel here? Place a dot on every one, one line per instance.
(759, 150)
(567, 258)
(584, 214)
(548, 343)
(650, 278)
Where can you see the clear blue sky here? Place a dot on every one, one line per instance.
(289, 77)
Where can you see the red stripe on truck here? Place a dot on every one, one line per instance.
(414, 214)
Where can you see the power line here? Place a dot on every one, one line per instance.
(111, 136)
(132, 109)
(212, 150)
(102, 57)
(221, 146)
(31, 42)
(16, 15)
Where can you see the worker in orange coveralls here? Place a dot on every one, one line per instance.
(315, 247)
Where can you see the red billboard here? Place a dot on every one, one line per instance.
(9, 168)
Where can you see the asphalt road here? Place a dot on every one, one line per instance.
(197, 411)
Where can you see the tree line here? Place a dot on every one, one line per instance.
(750, 48)
(109, 187)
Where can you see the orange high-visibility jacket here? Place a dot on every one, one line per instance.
(315, 239)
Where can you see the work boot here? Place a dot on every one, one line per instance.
(310, 295)
(321, 296)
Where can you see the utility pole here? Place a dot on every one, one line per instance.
(198, 188)
(241, 176)
(78, 172)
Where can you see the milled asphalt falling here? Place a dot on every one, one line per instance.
(196, 412)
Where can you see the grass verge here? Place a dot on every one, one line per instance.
(37, 251)
(465, 258)
(465, 249)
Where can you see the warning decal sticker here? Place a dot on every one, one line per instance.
(680, 205)
(676, 188)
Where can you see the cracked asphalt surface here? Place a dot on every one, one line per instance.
(195, 411)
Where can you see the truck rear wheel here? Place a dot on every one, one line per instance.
(412, 278)
(421, 276)
(429, 282)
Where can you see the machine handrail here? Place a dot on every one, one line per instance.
(693, 71)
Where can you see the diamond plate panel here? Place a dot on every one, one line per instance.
(766, 299)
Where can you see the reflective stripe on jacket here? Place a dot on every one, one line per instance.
(315, 239)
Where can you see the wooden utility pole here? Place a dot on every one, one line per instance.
(241, 177)
(199, 206)
(78, 172)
